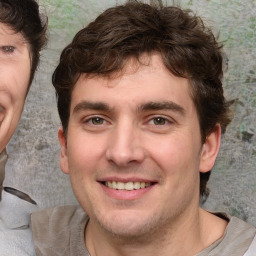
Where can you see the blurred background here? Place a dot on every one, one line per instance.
(33, 166)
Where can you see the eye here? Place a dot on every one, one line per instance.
(96, 121)
(7, 49)
(159, 121)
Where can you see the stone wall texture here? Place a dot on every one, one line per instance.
(34, 150)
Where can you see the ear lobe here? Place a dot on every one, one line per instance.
(63, 151)
(210, 150)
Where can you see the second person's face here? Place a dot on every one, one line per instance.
(15, 66)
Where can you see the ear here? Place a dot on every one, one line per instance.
(210, 150)
(63, 153)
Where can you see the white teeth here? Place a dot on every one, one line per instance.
(136, 185)
(120, 185)
(127, 186)
(114, 185)
(109, 184)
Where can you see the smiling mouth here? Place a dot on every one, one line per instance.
(127, 185)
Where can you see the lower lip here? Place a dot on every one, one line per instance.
(125, 194)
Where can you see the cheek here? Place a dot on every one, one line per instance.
(178, 158)
(85, 154)
(83, 162)
(24, 75)
(18, 84)
(172, 151)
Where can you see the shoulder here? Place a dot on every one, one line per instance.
(58, 216)
(237, 239)
(241, 234)
(54, 229)
(239, 229)
(16, 242)
(252, 249)
(57, 219)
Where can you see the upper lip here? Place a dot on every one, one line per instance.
(126, 179)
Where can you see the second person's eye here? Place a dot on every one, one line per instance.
(7, 49)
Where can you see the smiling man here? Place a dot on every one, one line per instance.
(141, 102)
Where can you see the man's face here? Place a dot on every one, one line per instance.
(133, 149)
(14, 78)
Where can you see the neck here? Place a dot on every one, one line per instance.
(184, 236)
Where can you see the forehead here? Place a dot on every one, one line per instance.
(149, 81)
(7, 34)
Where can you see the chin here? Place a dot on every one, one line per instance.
(129, 227)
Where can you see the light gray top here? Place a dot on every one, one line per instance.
(15, 233)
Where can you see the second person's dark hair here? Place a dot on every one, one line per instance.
(23, 16)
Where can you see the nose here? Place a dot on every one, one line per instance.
(125, 146)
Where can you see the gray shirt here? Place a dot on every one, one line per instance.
(60, 232)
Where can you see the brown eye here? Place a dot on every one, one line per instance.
(97, 120)
(159, 121)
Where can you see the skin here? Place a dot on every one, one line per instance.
(15, 63)
(139, 125)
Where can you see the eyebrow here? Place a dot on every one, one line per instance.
(148, 106)
(88, 105)
(162, 105)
